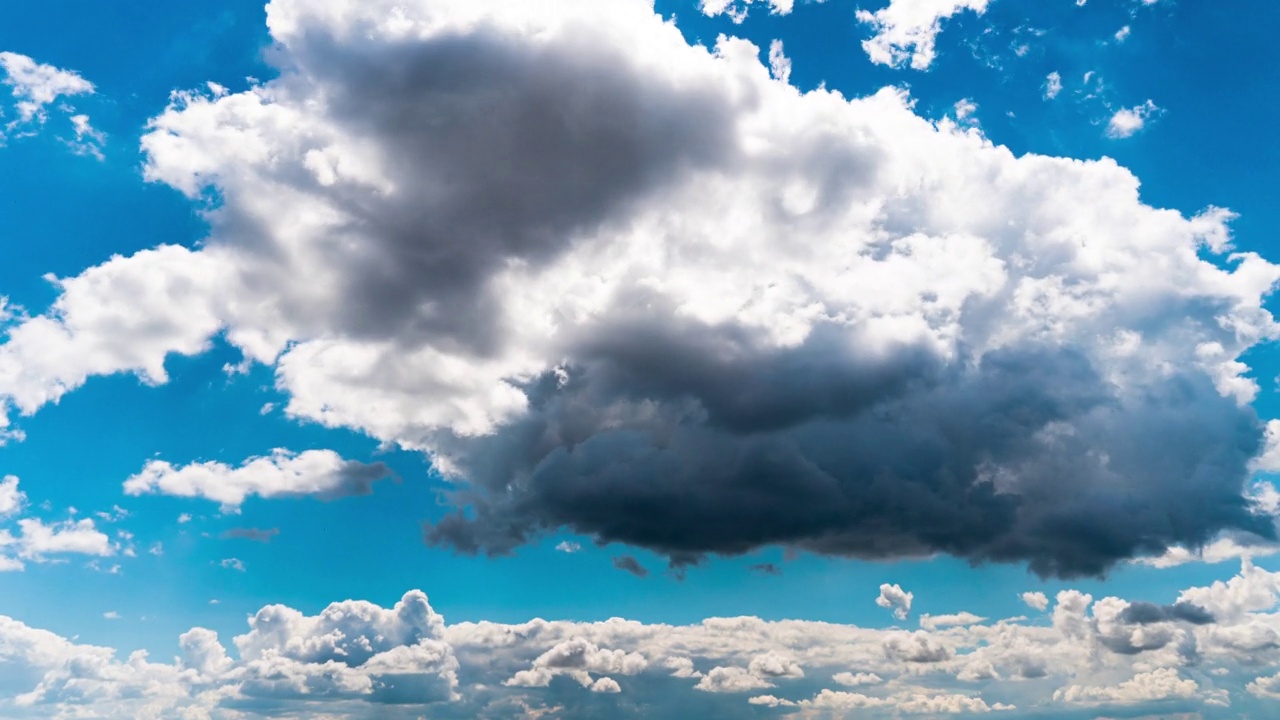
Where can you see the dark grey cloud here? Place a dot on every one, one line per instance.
(1145, 613)
(766, 569)
(1025, 455)
(631, 565)
(251, 533)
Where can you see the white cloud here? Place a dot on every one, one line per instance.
(78, 537)
(737, 9)
(232, 564)
(779, 63)
(12, 500)
(731, 680)
(1052, 85)
(855, 679)
(35, 85)
(1127, 122)
(933, 622)
(1123, 34)
(935, 267)
(1161, 684)
(1266, 687)
(1035, 600)
(322, 473)
(354, 656)
(893, 597)
(906, 30)
(568, 546)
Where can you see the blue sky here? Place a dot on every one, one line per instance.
(853, 321)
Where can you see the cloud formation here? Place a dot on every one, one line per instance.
(34, 87)
(906, 30)
(643, 290)
(356, 659)
(320, 473)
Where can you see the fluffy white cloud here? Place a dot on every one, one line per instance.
(70, 536)
(322, 473)
(1035, 600)
(894, 598)
(356, 659)
(737, 9)
(12, 500)
(598, 247)
(36, 85)
(933, 622)
(1127, 122)
(906, 30)
(1052, 85)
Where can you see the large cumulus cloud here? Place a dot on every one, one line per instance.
(641, 289)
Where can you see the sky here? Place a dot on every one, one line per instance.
(639, 359)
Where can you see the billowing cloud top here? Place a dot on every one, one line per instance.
(646, 291)
(1215, 648)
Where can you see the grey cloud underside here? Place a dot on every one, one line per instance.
(872, 477)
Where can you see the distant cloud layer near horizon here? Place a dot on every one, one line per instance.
(636, 293)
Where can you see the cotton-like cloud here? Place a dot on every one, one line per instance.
(80, 537)
(737, 9)
(643, 291)
(893, 597)
(12, 500)
(1052, 85)
(36, 85)
(356, 659)
(1035, 600)
(1127, 122)
(322, 473)
(906, 30)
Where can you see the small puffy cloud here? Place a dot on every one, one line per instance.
(36, 85)
(232, 564)
(605, 685)
(779, 63)
(1265, 687)
(856, 679)
(906, 30)
(80, 537)
(933, 622)
(916, 647)
(568, 546)
(12, 500)
(737, 9)
(321, 473)
(731, 680)
(1035, 600)
(111, 615)
(1052, 85)
(1127, 122)
(895, 599)
(579, 659)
